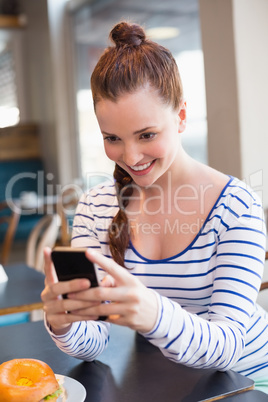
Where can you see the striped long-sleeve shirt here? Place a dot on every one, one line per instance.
(207, 315)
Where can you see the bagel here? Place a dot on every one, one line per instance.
(27, 380)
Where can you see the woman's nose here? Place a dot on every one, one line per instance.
(131, 156)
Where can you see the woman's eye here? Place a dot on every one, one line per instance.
(148, 136)
(112, 138)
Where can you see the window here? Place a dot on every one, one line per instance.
(9, 112)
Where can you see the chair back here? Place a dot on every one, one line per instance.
(44, 234)
(9, 219)
(66, 208)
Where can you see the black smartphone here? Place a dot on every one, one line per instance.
(72, 263)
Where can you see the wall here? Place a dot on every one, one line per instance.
(250, 34)
(49, 79)
(234, 36)
(63, 60)
(38, 83)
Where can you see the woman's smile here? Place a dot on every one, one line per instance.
(142, 169)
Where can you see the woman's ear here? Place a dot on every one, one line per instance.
(182, 116)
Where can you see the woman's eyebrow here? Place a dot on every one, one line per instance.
(135, 132)
(104, 133)
(143, 129)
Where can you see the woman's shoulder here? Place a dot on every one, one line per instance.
(234, 197)
(101, 191)
(239, 201)
(240, 189)
(230, 186)
(99, 201)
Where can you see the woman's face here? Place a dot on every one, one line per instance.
(141, 135)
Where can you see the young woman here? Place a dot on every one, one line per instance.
(180, 246)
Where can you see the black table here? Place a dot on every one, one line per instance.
(129, 370)
(22, 290)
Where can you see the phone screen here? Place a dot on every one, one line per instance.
(72, 263)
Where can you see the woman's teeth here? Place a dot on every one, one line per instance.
(141, 167)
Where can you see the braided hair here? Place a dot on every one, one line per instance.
(130, 64)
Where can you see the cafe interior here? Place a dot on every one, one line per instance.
(51, 151)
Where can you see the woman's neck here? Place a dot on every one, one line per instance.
(181, 173)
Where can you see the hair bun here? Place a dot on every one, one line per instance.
(128, 34)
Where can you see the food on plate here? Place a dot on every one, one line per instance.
(28, 380)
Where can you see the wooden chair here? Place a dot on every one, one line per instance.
(66, 209)
(9, 218)
(44, 234)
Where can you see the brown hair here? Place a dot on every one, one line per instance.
(132, 63)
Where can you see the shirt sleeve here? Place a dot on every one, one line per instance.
(86, 339)
(84, 232)
(219, 341)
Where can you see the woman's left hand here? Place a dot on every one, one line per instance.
(130, 303)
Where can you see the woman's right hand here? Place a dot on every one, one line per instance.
(60, 313)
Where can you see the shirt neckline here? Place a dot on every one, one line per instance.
(231, 178)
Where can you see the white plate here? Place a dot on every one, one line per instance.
(72, 389)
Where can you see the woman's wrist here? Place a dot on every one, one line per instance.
(152, 314)
(61, 330)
